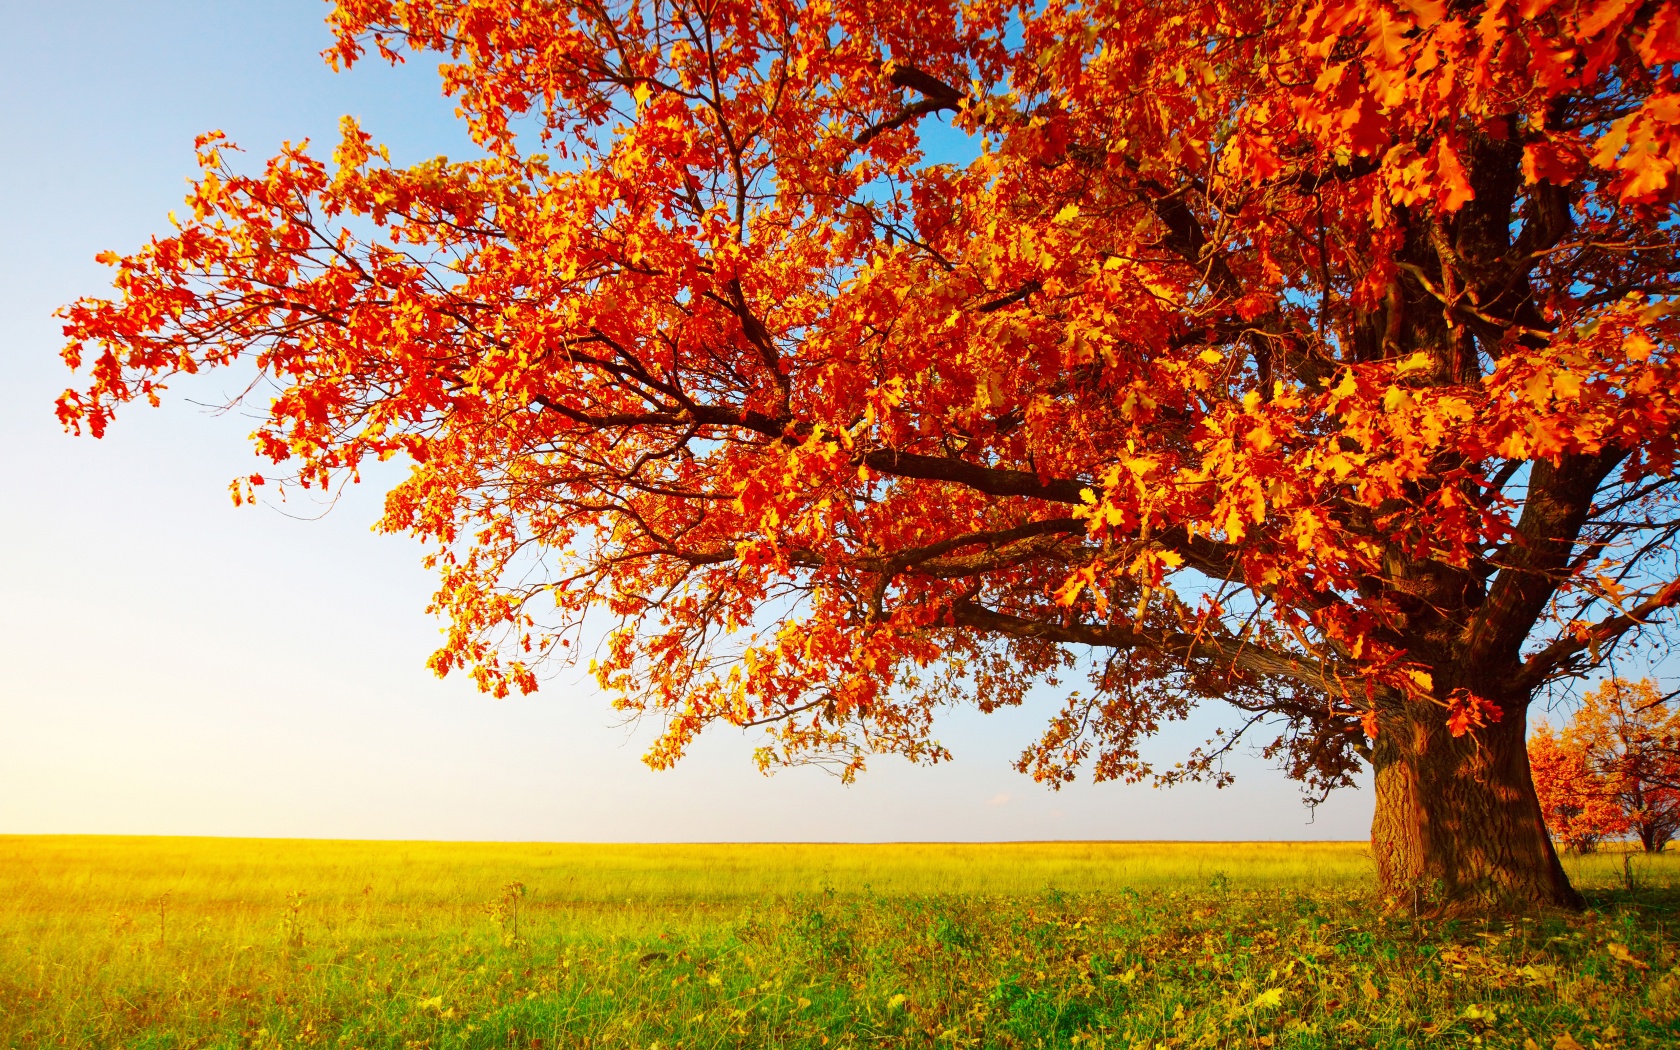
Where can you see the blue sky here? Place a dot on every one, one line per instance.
(170, 664)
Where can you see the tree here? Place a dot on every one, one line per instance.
(1317, 360)
(1629, 737)
(1580, 808)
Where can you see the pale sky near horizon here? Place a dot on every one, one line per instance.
(172, 665)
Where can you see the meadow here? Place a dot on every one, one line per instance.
(154, 942)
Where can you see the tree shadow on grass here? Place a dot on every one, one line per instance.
(1650, 903)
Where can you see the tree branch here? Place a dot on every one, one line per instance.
(1538, 667)
(1248, 657)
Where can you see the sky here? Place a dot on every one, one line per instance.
(171, 664)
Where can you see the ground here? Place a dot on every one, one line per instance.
(142, 942)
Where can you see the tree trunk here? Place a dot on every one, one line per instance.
(1652, 836)
(1458, 826)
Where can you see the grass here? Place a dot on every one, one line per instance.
(139, 942)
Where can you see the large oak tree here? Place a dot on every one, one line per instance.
(857, 359)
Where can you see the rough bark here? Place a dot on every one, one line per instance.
(1458, 826)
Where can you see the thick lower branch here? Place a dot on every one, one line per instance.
(1537, 668)
(993, 481)
(1236, 652)
(1537, 559)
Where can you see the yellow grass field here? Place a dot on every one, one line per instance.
(160, 942)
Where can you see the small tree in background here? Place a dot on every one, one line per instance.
(1580, 808)
(1614, 768)
(1630, 736)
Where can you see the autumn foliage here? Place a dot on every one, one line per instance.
(1580, 807)
(1613, 769)
(855, 360)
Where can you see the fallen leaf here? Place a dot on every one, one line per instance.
(1620, 953)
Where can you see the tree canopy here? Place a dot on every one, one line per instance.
(860, 359)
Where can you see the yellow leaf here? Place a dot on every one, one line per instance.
(1068, 214)
(1211, 357)
(1620, 953)
(1415, 363)
(1269, 999)
(1566, 1042)
(1388, 39)
(1540, 975)
(1423, 680)
(1347, 388)
(642, 93)
(1162, 291)
(1235, 526)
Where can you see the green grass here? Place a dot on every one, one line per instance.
(111, 942)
